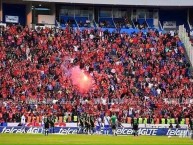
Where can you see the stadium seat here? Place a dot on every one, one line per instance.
(187, 121)
(129, 120)
(63, 25)
(182, 121)
(150, 22)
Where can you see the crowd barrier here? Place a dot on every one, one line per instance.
(119, 131)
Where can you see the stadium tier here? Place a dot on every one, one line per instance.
(141, 73)
(71, 62)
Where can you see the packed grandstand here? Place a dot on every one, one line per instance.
(145, 74)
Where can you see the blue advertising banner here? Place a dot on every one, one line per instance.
(76, 130)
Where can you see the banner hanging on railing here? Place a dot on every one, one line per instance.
(169, 24)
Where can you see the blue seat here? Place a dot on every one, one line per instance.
(109, 20)
(150, 22)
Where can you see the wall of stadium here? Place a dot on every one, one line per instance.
(127, 2)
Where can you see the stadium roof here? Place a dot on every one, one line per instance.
(127, 2)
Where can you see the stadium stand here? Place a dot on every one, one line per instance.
(137, 68)
(140, 73)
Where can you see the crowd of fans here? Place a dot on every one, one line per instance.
(141, 25)
(86, 24)
(106, 24)
(123, 23)
(69, 23)
(134, 74)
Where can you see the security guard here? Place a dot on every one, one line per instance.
(191, 126)
(135, 124)
(87, 124)
(46, 125)
(82, 123)
(52, 121)
(92, 121)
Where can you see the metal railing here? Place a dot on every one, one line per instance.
(133, 24)
(190, 27)
(160, 25)
(114, 23)
(76, 23)
(95, 23)
(147, 23)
